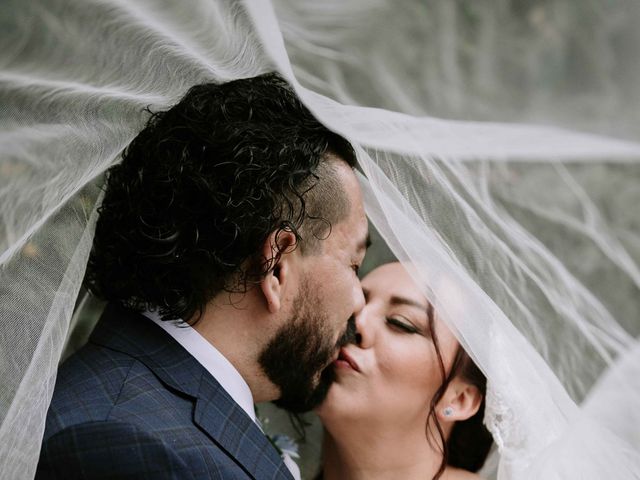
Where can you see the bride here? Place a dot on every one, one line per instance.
(408, 402)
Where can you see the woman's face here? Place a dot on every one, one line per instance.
(393, 372)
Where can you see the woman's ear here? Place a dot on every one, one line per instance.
(460, 402)
(275, 251)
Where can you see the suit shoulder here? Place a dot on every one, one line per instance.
(87, 386)
(93, 363)
(108, 449)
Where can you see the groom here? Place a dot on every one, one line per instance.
(227, 246)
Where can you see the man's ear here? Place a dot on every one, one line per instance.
(460, 401)
(276, 250)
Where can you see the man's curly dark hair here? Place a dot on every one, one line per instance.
(201, 188)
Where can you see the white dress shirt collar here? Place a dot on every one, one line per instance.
(211, 359)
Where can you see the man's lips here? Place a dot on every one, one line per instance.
(345, 360)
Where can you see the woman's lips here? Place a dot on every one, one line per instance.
(346, 361)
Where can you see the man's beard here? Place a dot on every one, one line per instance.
(300, 350)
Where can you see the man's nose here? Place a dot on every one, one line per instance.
(359, 300)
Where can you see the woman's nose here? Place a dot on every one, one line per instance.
(364, 328)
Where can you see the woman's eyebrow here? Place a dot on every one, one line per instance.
(396, 300)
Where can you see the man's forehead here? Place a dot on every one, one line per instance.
(360, 224)
(350, 235)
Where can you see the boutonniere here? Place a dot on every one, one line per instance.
(283, 444)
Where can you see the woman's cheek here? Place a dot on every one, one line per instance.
(412, 372)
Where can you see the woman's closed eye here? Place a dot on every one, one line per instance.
(401, 324)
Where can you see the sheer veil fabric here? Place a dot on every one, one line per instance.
(498, 150)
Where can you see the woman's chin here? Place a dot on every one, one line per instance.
(336, 405)
(325, 407)
(332, 401)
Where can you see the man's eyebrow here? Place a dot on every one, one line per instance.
(395, 300)
(365, 243)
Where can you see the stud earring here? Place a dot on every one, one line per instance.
(448, 411)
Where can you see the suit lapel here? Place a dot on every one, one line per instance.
(215, 413)
(218, 415)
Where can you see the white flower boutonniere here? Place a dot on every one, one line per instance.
(284, 444)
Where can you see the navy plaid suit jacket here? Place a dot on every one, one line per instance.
(132, 403)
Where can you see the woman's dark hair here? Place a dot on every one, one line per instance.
(201, 188)
(470, 441)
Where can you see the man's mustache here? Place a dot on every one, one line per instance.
(350, 334)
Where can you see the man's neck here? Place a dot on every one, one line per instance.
(232, 326)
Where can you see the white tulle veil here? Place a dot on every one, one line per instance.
(498, 150)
